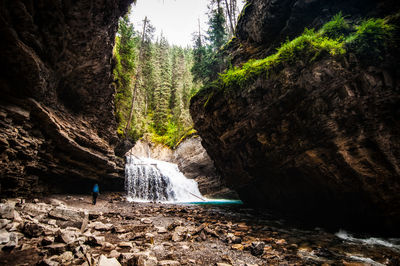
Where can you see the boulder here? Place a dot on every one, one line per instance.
(36, 209)
(67, 214)
(4, 222)
(101, 226)
(65, 257)
(7, 210)
(114, 254)
(33, 229)
(67, 237)
(4, 237)
(56, 249)
(47, 240)
(104, 261)
(257, 248)
(95, 240)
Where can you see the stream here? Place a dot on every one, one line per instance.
(154, 181)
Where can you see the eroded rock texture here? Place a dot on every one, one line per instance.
(318, 141)
(195, 163)
(57, 125)
(265, 24)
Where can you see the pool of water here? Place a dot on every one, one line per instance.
(214, 202)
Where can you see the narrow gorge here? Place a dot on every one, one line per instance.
(272, 139)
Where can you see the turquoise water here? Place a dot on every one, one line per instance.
(215, 202)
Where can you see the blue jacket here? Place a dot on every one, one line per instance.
(96, 188)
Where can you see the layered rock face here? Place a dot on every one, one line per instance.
(192, 160)
(265, 24)
(195, 163)
(57, 124)
(321, 141)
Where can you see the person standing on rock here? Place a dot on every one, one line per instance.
(95, 193)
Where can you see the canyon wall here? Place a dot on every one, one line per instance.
(57, 113)
(318, 142)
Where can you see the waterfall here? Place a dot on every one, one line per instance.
(150, 180)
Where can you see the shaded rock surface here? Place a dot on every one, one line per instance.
(265, 24)
(57, 128)
(320, 142)
(192, 160)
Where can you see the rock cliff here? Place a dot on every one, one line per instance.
(57, 125)
(317, 141)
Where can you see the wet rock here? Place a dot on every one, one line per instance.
(33, 230)
(104, 261)
(257, 248)
(169, 263)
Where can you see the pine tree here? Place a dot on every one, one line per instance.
(125, 56)
(208, 61)
(163, 88)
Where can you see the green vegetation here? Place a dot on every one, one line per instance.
(368, 40)
(337, 28)
(371, 39)
(208, 60)
(308, 47)
(153, 85)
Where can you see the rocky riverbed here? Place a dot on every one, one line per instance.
(69, 230)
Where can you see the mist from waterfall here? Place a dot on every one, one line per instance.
(150, 180)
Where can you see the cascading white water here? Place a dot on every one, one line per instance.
(147, 179)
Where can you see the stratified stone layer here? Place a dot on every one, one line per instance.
(319, 141)
(57, 125)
